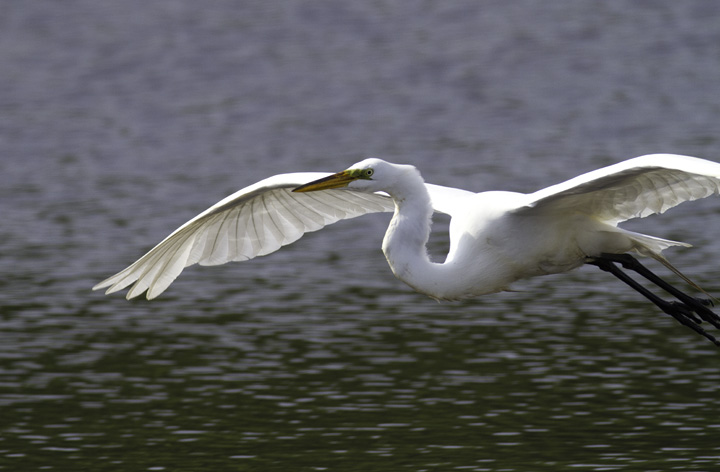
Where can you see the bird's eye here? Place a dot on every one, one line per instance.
(369, 173)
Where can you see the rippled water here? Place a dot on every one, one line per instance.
(119, 121)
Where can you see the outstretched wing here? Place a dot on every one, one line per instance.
(631, 189)
(254, 221)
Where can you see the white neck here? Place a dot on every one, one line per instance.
(405, 240)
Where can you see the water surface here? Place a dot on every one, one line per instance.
(118, 122)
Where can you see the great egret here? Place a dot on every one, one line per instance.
(496, 238)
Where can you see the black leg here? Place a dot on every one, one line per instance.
(698, 305)
(686, 311)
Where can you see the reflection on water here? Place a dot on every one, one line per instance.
(118, 123)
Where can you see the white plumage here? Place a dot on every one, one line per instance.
(496, 237)
(254, 221)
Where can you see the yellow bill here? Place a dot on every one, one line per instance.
(339, 180)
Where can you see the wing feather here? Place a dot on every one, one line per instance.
(631, 189)
(448, 200)
(252, 222)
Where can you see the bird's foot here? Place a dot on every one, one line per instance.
(700, 306)
(706, 301)
(687, 310)
(688, 316)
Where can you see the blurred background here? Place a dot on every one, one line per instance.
(121, 120)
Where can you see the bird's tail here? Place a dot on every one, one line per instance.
(651, 246)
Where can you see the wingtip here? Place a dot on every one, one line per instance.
(103, 285)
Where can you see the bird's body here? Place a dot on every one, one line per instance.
(496, 238)
(487, 253)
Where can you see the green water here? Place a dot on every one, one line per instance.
(360, 391)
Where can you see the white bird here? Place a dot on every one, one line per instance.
(496, 238)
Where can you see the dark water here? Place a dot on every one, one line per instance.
(120, 120)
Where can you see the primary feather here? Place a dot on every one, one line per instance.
(254, 221)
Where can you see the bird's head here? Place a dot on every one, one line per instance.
(370, 175)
